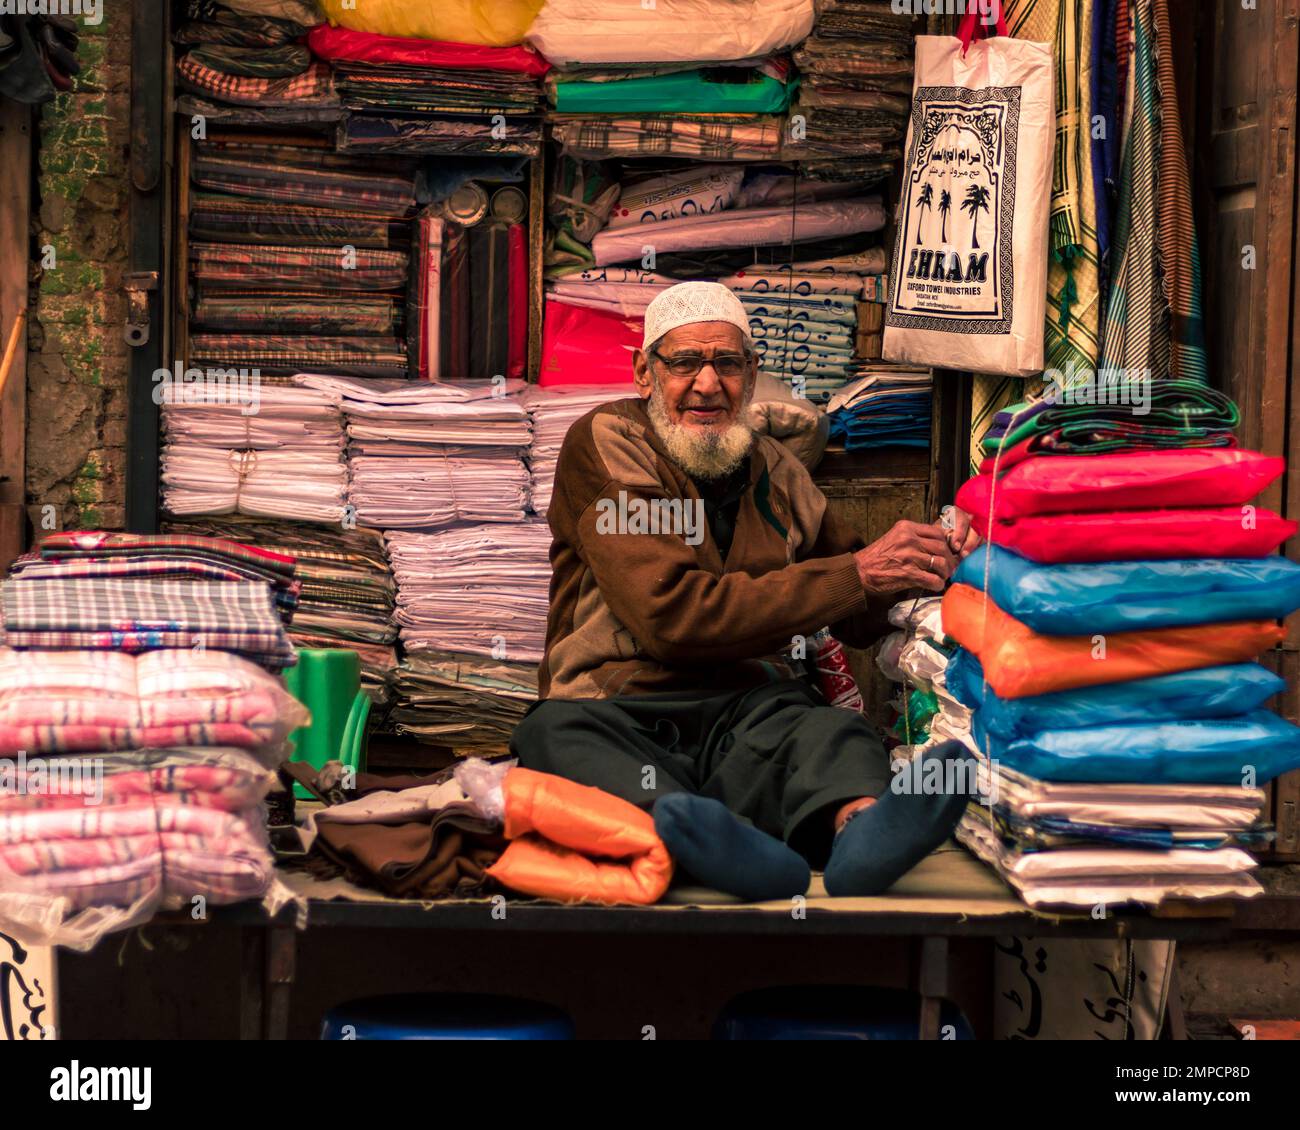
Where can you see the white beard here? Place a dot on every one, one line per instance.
(702, 453)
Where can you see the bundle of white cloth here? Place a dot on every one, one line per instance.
(553, 411)
(425, 455)
(279, 454)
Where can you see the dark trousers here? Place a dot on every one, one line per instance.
(775, 755)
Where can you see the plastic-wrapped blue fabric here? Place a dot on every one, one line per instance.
(1208, 692)
(1214, 751)
(1127, 596)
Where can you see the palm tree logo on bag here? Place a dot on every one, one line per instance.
(977, 200)
(924, 200)
(945, 206)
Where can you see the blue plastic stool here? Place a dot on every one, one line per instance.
(445, 1016)
(831, 1012)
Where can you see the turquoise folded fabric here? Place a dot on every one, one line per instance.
(687, 92)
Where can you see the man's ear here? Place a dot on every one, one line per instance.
(641, 373)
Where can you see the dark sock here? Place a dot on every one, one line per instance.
(725, 853)
(880, 844)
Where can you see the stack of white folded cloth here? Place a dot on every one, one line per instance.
(474, 590)
(553, 411)
(425, 455)
(278, 456)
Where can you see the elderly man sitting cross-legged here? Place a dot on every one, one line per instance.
(688, 554)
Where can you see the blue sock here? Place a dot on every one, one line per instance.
(880, 844)
(725, 853)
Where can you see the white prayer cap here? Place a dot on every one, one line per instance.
(687, 303)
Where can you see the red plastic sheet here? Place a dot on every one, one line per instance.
(1129, 480)
(581, 346)
(1140, 535)
(364, 47)
(517, 274)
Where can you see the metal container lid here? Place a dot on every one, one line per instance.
(510, 205)
(467, 205)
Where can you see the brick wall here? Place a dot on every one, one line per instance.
(78, 361)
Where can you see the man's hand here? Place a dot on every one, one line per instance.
(962, 539)
(910, 556)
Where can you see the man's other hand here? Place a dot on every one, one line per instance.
(962, 539)
(910, 556)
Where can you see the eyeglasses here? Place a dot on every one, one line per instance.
(726, 365)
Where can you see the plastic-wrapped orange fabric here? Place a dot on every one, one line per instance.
(1018, 661)
(578, 844)
(490, 23)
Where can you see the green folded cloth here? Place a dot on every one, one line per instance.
(1177, 414)
(694, 92)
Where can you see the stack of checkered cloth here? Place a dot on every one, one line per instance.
(425, 455)
(298, 258)
(238, 67)
(140, 592)
(347, 591)
(133, 783)
(855, 91)
(261, 450)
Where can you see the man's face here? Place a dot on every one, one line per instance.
(707, 401)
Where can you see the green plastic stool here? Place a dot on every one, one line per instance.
(327, 681)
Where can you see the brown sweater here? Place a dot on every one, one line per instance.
(640, 613)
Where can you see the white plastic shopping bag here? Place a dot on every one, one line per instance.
(968, 286)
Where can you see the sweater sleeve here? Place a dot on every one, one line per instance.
(865, 625)
(682, 613)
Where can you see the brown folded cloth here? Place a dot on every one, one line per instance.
(445, 857)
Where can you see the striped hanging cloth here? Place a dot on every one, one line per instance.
(1177, 249)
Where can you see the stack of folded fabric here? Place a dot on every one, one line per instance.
(472, 604)
(474, 590)
(855, 90)
(1108, 668)
(424, 96)
(888, 406)
(462, 701)
(298, 258)
(426, 455)
(242, 67)
(553, 410)
(160, 804)
(347, 589)
(277, 453)
(140, 592)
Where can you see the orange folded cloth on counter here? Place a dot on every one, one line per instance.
(1018, 661)
(575, 843)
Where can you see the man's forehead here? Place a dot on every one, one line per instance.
(699, 335)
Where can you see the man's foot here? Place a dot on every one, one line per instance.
(880, 844)
(725, 853)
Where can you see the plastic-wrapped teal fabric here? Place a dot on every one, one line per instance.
(1208, 692)
(1127, 596)
(1218, 751)
(686, 92)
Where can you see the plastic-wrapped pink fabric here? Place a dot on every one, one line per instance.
(587, 347)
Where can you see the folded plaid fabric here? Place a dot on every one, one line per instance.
(100, 543)
(233, 219)
(251, 265)
(244, 114)
(253, 62)
(438, 135)
(357, 315)
(138, 615)
(315, 86)
(718, 138)
(302, 176)
(349, 356)
(87, 701)
(1166, 413)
